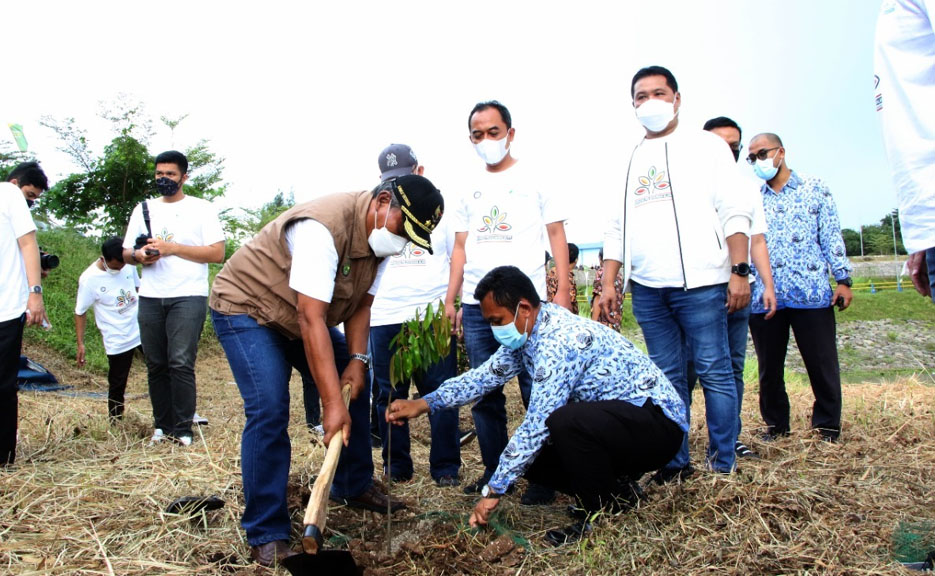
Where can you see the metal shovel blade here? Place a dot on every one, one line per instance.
(331, 562)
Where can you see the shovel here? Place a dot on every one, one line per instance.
(314, 560)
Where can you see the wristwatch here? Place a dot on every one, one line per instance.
(365, 358)
(35, 289)
(486, 492)
(845, 282)
(742, 269)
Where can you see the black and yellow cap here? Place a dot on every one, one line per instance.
(422, 206)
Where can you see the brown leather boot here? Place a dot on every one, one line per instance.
(271, 553)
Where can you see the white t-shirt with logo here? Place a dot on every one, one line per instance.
(15, 222)
(115, 303)
(655, 254)
(190, 221)
(414, 279)
(315, 260)
(505, 214)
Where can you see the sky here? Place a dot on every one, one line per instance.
(301, 97)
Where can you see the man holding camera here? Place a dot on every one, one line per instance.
(21, 290)
(174, 237)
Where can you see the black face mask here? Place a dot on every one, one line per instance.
(30, 202)
(167, 186)
(736, 154)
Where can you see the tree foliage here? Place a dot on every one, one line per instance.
(102, 194)
(877, 238)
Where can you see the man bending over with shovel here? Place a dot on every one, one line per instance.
(275, 306)
(601, 414)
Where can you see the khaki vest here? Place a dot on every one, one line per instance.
(255, 281)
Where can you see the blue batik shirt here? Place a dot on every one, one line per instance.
(571, 359)
(805, 243)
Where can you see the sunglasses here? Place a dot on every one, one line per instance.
(761, 155)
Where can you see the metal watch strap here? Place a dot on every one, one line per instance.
(37, 289)
(486, 492)
(362, 357)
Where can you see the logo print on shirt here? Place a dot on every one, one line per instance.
(124, 301)
(653, 181)
(166, 236)
(412, 255)
(496, 222)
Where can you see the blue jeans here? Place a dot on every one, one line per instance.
(737, 324)
(697, 317)
(930, 263)
(490, 411)
(445, 453)
(262, 360)
(169, 332)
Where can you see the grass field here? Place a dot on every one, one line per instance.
(86, 498)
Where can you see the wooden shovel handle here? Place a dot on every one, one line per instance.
(316, 513)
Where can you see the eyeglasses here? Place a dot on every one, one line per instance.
(761, 155)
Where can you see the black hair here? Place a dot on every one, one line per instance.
(773, 138)
(507, 284)
(600, 253)
(653, 71)
(722, 122)
(572, 252)
(481, 106)
(29, 174)
(174, 157)
(112, 249)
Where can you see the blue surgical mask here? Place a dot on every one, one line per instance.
(765, 169)
(508, 335)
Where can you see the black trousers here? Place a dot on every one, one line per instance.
(594, 444)
(816, 337)
(11, 341)
(117, 373)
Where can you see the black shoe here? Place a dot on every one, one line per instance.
(537, 495)
(666, 475)
(375, 441)
(629, 493)
(569, 534)
(743, 451)
(448, 481)
(476, 486)
(770, 436)
(465, 436)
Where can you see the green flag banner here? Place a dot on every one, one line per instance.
(18, 135)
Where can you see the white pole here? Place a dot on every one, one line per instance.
(861, 229)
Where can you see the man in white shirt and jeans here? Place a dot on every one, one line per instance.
(413, 280)
(185, 234)
(21, 289)
(505, 217)
(110, 286)
(681, 237)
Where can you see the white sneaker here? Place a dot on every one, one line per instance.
(185, 440)
(319, 430)
(199, 420)
(158, 436)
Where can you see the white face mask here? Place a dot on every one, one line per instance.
(655, 114)
(492, 151)
(383, 242)
(109, 270)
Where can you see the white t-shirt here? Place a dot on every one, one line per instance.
(115, 303)
(315, 260)
(905, 98)
(190, 221)
(655, 238)
(505, 214)
(414, 279)
(15, 222)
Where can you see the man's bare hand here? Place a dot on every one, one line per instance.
(336, 418)
(400, 411)
(482, 510)
(738, 293)
(918, 272)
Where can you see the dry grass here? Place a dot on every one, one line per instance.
(85, 498)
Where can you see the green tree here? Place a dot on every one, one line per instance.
(102, 195)
(851, 241)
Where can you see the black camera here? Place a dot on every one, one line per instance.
(48, 261)
(141, 241)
